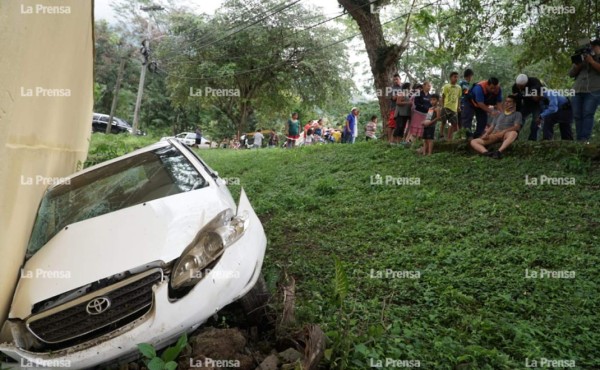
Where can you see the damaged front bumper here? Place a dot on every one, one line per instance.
(231, 278)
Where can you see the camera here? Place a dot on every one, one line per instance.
(585, 50)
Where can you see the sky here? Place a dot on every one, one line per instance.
(103, 10)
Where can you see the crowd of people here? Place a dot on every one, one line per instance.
(480, 109)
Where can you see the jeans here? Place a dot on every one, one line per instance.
(467, 119)
(533, 111)
(584, 108)
(564, 118)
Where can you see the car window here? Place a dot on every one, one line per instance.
(142, 178)
(181, 136)
(191, 136)
(103, 119)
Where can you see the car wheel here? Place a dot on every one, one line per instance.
(254, 303)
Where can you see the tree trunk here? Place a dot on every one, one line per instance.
(382, 57)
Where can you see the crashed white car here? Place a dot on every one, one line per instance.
(137, 249)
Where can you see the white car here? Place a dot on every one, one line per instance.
(189, 138)
(138, 249)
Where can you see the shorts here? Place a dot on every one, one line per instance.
(391, 120)
(198, 141)
(429, 132)
(401, 122)
(293, 137)
(450, 116)
(493, 138)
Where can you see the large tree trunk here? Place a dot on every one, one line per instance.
(382, 57)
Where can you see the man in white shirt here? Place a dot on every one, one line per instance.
(258, 138)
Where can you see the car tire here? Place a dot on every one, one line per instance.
(254, 303)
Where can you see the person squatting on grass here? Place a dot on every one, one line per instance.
(504, 128)
(557, 109)
(433, 115)
(451, 93)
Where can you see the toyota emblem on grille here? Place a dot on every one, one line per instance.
(97, 305)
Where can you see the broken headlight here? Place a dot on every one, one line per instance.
(207, 246)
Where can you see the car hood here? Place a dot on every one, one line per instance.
(116, 242)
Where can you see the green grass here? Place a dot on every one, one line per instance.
(471, 229)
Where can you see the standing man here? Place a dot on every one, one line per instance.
(198, 136)
(451, 94)
(465, 85)
(292, 130)
(587, 91)
(350, 126)
(481, 96)
(258, 139)
(528, 91)
(395, 90)
(402, 113)
(557, 110)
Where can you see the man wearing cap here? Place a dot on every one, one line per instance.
(350, 128)
(528, 91)
(587, 92)
(557, 109)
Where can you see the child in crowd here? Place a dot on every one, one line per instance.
(308, 140)
(433, 115)
(371, 128)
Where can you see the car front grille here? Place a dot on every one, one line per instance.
(97, 313)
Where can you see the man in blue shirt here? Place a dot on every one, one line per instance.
(557, 109)
(481, 96)
(350, 126)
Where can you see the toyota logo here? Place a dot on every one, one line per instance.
(97, 305)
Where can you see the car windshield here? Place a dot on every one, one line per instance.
(134, 180)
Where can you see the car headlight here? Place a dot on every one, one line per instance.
(210, 243)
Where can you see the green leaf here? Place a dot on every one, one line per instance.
(170, 354)
(171, 365)
(340, 281)
(182, 341)
(147, 350)
(156, 364)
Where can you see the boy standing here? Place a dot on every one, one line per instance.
(451, 94)
(371, 128)
(433, 115)
(292, 130)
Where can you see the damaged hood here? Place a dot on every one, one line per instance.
(116, 242)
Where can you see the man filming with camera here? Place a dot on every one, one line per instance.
(586, 71)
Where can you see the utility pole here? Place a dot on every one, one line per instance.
(145, 50)
(113, 107)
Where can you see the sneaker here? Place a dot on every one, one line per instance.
(488, 154)
(497, 154)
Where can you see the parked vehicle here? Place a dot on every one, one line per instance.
(189, 138)
(138, 249)
(99, 122)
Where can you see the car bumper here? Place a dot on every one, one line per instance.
(232, 277)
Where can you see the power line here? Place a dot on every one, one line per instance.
(286, 61)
